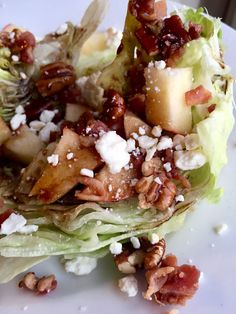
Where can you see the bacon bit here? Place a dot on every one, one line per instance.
(211, 108)
(169, 260)
(5, 215)
(180, 286)
(23, 44)
(148, 10)
(148, 40)
(197, 96)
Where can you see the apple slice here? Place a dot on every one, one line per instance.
(57, 180)
(132, 123)
(5, 132)
(165, 99)
(35, 169)
(23, 145)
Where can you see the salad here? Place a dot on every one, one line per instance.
(108, 140)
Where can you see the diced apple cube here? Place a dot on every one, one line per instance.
(74, 111)
(23, 145)
(165, 101)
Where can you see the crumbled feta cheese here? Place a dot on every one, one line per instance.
(167, 166)
(47, 116)
(130, 145)
(17, 120)
(156, 131)
(87, 173)
(220, 229)
(178, 140)
(189, 160)
(12, 224)
(191, 141)
(115, 248)
(135, 242)
(81, 265)
(141, 131)
(36, 125)
(153, 238)
(150, 153)
(27, 229)
(129, 285)
(146, 142)
(62, 29)
(113, 150)
(15, 58)
(157, 180)
(164, 143)
(23, 75)
(135, 135)
(69, 156)
(45, 132)
(20, 109)
(53, 159)
(110, 188)
(179, 198)
(160, 65)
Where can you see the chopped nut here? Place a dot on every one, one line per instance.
(38, 285)
(150, 167)
(29, 281)
(127, 261)
(46, 284)
(154, 255)
(54, 77)
(144, 184)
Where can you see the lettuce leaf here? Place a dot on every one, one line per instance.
(13, 266)
(204, 55)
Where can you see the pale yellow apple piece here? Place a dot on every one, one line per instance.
(23, 146)
(74, 112)
(132, 123)
(165, 101)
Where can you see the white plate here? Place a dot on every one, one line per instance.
(98, 292)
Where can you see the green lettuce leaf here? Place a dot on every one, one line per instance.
(13, 266)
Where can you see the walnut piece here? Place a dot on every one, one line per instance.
(42, 285)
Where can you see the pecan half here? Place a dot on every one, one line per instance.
(54, 77)
(154, 255)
